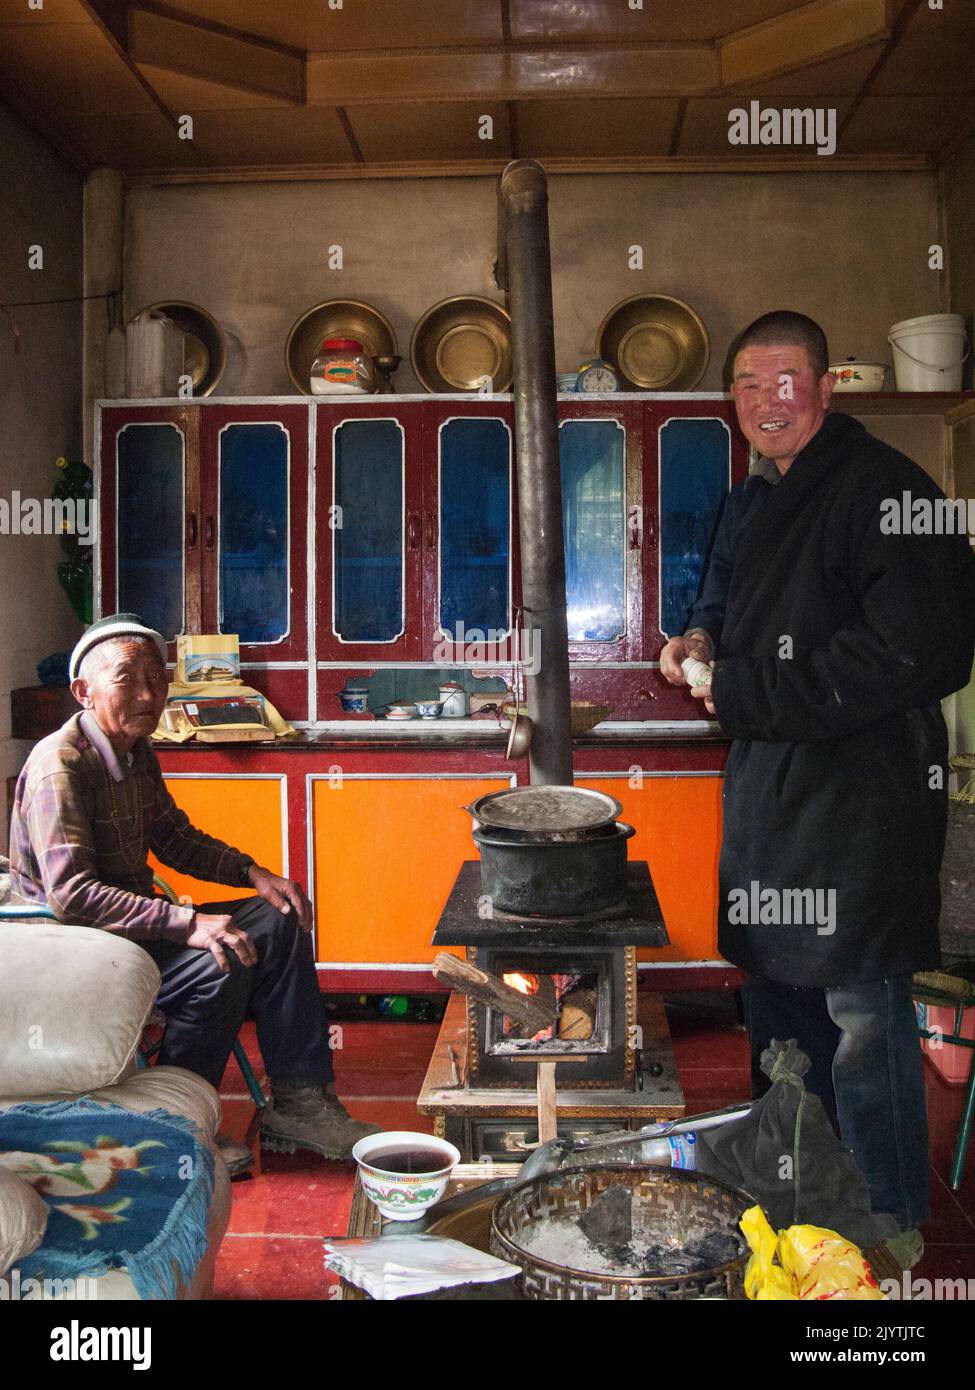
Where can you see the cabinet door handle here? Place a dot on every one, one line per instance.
(413, 532)
(635, 523)
(191, 530)
(209, 532)
(431, 529)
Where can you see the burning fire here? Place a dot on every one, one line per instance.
(524, 984)
(531, 984)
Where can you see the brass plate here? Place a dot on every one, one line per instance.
(459, 342)
(655, 342)
(467, 1216)
(335, 318)
(205, 349)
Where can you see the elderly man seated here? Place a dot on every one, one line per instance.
(90, 804)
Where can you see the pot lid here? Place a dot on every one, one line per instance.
(546, 808)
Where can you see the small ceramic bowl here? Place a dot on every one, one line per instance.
(428, 709)
(403, 1196)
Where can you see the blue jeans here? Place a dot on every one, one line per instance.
(205, 1008)
(866, 1068)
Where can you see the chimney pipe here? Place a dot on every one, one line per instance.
(525, 271)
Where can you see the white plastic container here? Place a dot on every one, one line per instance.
(929, 352)
(154, 349)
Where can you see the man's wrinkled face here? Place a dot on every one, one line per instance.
(780, 399)
(127, 691)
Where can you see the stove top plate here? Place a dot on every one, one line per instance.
(637, 922)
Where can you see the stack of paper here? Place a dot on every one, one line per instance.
(393, 1266)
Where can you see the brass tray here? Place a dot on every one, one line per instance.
(205, 351)
(335, 318)
(459, 342)
(655, 342)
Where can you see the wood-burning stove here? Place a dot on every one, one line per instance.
(613, 1069)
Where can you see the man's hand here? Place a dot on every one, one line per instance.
(703, 692)
(677, 650)
(282, 893)
(214, 932)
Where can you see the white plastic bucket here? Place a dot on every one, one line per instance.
(929, 352)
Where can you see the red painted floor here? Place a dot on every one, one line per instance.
(272, 1249)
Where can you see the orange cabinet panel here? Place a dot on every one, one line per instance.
(245, 812)
(386, 854)
(678, 832)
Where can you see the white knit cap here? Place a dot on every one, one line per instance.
(118, 625)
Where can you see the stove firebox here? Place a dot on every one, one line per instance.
(588, 965)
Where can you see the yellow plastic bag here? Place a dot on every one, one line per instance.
(804, 1262)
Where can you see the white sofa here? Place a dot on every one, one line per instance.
(73, 1004)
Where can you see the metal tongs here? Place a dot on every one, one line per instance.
(551, 1156)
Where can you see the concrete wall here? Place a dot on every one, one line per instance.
(40, 403)
(959, 197)
(849, 249)
(959, 204)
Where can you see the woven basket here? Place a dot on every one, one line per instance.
(585, 714)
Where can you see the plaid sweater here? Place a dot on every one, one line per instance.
(82, 827)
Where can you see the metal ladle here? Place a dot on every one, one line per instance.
(522, 728)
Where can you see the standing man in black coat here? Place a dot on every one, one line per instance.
(837, 611)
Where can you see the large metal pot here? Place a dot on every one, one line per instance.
(554, 877)
(546, 808)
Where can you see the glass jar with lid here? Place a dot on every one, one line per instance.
(342, 368)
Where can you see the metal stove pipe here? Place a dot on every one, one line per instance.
(525, 271)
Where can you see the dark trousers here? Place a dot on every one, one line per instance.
(867, 1069)
(205, 1008)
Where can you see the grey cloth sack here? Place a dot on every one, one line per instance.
(786, 1154)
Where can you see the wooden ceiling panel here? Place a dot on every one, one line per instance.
(706, 126)
(589, 130)
(514, 76)
(837, 77)
(135, 144)
(54, 12)
(313, 26)
(396, 78)
(904, 125)
(417, 131)
(188, 94)
(284, 136)
(613, 21)
(71, 70)
(936, 53)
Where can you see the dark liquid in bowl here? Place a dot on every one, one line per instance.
(408, 1160)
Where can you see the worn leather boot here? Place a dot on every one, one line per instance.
(238, 1157)
(311, 1117)
(907, 1247)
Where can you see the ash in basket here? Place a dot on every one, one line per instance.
(624, 1233)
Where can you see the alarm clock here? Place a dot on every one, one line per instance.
(597, 376)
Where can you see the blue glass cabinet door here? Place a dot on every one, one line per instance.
(694, 453)
(600, 464)
(474, 488)
(148, 463)
(694, 459)
(256, 472)
(253, 524)
(369, 533)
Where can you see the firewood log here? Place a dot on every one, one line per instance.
(531, 1012)
(578, 1016)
